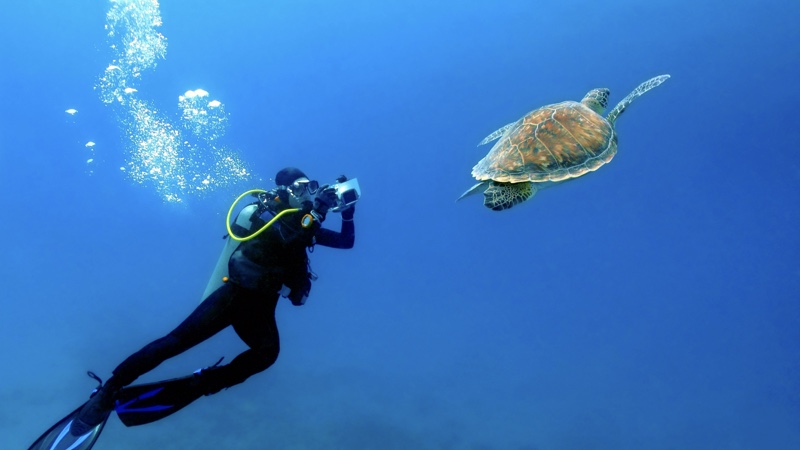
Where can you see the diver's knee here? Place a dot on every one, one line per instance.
(267, 356)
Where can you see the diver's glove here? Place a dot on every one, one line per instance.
(325, 199)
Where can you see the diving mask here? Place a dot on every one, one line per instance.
(302, 190)
(302, 186)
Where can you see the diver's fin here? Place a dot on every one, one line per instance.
(145, 403)
(58, 436)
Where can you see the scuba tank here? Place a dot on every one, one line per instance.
(267, 201)
(220, 274)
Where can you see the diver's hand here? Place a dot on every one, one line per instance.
(341, 178)
(325, 199)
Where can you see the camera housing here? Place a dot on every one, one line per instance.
(347, 194)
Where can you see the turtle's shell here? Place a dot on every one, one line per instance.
(553, 143)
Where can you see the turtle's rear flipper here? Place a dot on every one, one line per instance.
(497, 134)
(473, 189)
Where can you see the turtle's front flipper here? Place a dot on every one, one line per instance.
(474, 189)
(641, 89)
(500, 196)
(496, 135)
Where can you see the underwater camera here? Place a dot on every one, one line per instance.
(347, 194)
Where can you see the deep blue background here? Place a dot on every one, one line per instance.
(653, 304)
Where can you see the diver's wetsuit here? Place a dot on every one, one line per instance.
(258, 269)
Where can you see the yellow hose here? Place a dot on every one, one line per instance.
(260, 230)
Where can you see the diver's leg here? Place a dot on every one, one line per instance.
(253, 319)
(208, 319)
(211, 316)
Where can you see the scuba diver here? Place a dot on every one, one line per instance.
(269, 262)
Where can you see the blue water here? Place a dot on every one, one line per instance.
(650, 305)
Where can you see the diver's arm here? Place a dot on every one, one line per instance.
(343, 239)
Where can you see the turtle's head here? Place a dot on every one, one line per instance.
(596, 100)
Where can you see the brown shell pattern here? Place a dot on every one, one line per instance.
(552, 143)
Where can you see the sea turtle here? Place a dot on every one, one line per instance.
(551, 144)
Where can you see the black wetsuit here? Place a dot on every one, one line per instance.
(258, 269)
